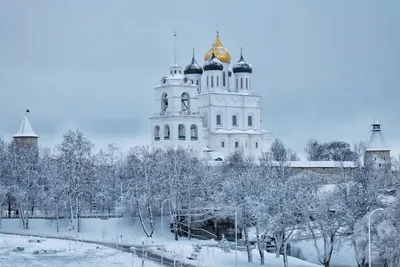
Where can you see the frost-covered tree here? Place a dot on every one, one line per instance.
(334, 150)
(75, 169)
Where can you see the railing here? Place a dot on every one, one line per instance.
(181, 137)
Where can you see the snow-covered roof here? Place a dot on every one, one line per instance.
(235, 131)
(377, 142)
(320, 164)
(25, 130)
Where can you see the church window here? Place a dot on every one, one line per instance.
(167, 133)
(207, 82)
(181, 132)
(175, 71)
(193, 132)
(192, 81)
(241, 83)
(237, 83)
(379, 164)
(218, 119)
(217, 81)
(247, 83)
(212, 81)
(185, 102)
(250, 121)
(164, 103)
(256, 144)
(197, 82)
(236, 144)
(157, 133)
(234, 122)
(222, 144)
(223, 79)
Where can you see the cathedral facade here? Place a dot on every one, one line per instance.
(210, 108)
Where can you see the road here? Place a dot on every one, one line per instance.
(140, 251)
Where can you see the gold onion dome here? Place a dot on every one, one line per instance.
(219, 50)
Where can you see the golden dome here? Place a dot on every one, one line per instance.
(220, 51)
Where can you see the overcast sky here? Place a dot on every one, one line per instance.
(324, 69)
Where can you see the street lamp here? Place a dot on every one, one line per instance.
(369, 236)
(236, 233)
(162, 231)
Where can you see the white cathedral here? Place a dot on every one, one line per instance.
(209, 109)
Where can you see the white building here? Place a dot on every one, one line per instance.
(208, 110)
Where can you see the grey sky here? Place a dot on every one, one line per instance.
(325, 69)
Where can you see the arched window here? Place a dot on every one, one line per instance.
(164, 102)
(250, 121)
(241, 83)
(223, 79)
(207, 82)
(212, 81)
(217, 81)
(247, 83)
(157, 133)
(237, 84)
(234, 122)
(185, 102)
(222, 144)
(218, 119)
(236, 144)
(167, 132)
(193, 132)
(256, 144)
(197, 82)
(181, 132)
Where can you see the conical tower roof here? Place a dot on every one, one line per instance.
(25, 130)
(377, 142)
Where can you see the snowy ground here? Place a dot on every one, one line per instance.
(70, 254)
(132, 234)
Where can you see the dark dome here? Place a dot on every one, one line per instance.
(193, 68)
(213, 64)
(242, 66)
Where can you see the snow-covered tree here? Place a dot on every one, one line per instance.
(224, 244)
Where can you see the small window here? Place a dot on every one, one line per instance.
(217, 81)
(157, 133)
(379, 164)
(247, 83)
(237, 83)
(179, 71)
(175, 71)
(375, 158)
(234, 123)
(197, 82)
(256, 145)
(222, 144)
(207, 82)
(212, 81)
(241, 83)
(192, 81)
(223, 79)
(218, 119)
(181, 132)
(236, 144)
(250, 121)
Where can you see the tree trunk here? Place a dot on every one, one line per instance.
(248, 247)
(141, 219)
(57, 217)
(278, 243)
(285, 258)
(151, 218)
(260, 247)
(72, 213)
